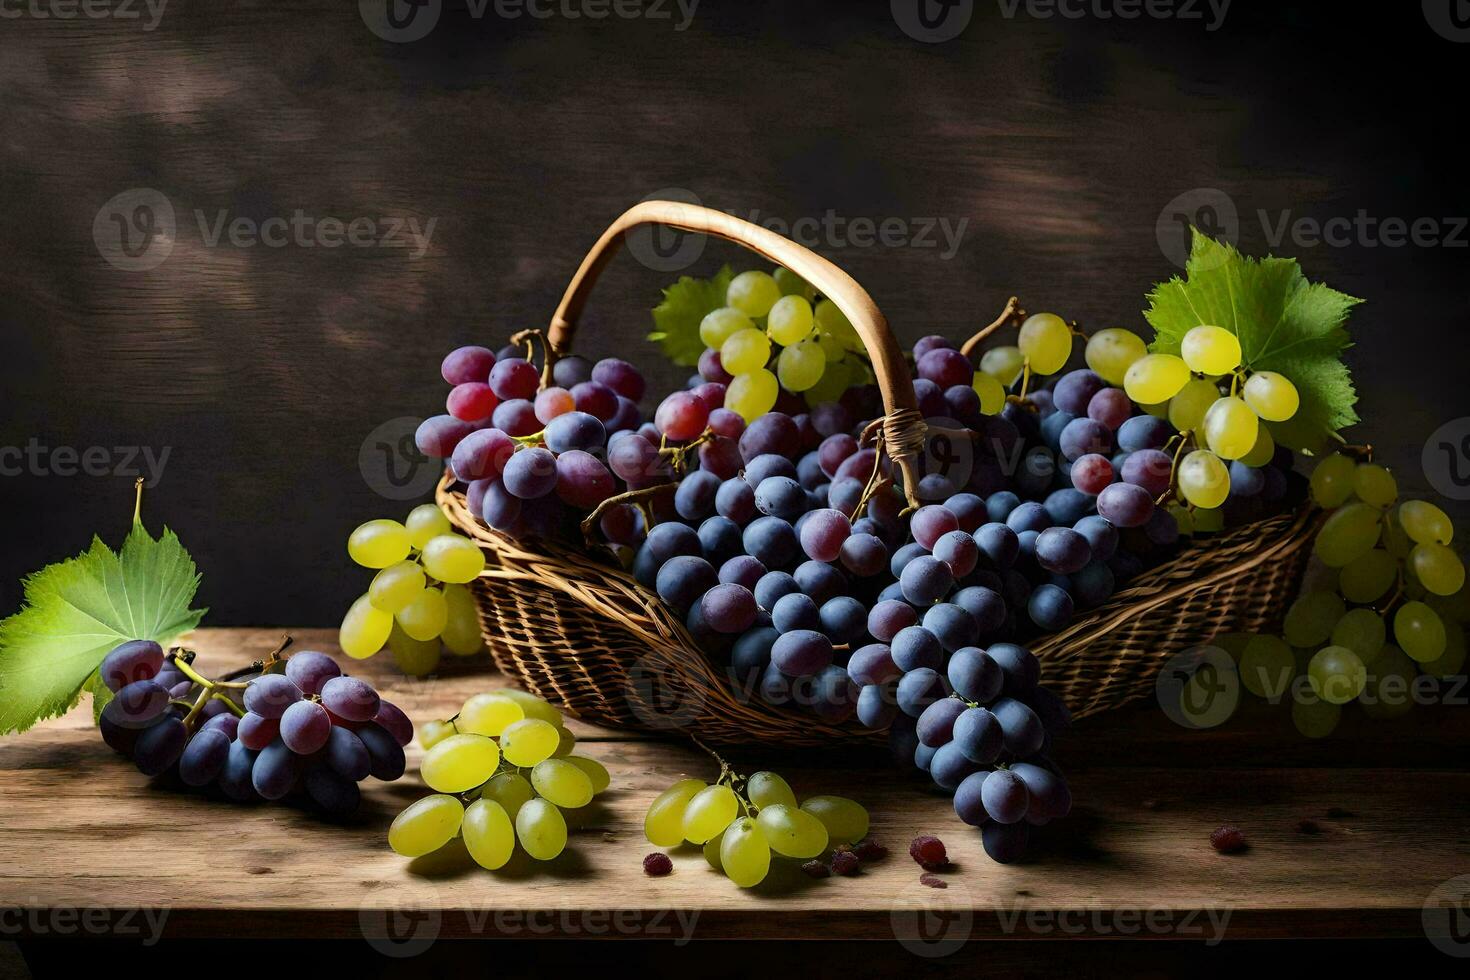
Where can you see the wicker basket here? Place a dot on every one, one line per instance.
(586, 636)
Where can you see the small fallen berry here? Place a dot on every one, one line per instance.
(657, 864)
(845, 863)
(929, 853)
(932, 880)
(870, 850)
(816, 869)
(1227, 840)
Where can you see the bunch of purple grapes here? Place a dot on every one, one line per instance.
(309, 729)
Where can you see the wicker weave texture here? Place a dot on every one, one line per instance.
(589, 638)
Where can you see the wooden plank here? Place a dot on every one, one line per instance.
(81, 830)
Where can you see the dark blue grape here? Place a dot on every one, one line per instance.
(820, 581)
(949, 766)
(914, 647)
(752, 653)
(926, 580)
(670, 539)
(978, 735)
(575, 430)
(135, 660)
(1051, 428)
(834, 695)
(780, 496)
(736, 500)
(1067, 506)
(276, 770)
(795, 612)
(1050, 607)
(936, 724)
(801, 653)
(1005, 843)
(346, 755)
(772, 541)
(159, 746)
(986, 608)
(893, 591)
(334, 794)
(384, 752)
(1144, 432)
(683, 580)
(1005, 796)
(863, 554)
(720, 540)
(998, 543)
(844, 619)
(1101, 536)
(968, 805)
(768, 465)
(968, 509)
(877, 705)
(918, 689)
(903, 556)
(1062, 550)
(235, 777)
(351, 698)
(694, 500)
(974, 675)
(1019, 667)
(772, 586)
(1029, 516)
(137, 705)
(1092, 586)
(888, 616)
(1049, 796)
(1022, 729)
(952, 625)
(204, 757)
(998, 506)
(775, 687)
(872, 664)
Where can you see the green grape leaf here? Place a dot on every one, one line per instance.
(1285, 324)
(685, 304)
(79, 609)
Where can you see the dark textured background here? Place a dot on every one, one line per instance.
(263, 370)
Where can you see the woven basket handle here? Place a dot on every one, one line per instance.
(903, 426)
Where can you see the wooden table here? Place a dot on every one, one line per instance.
(90, 848)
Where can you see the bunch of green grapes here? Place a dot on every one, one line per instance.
(503, 773)
(773, 333)
(1393, 609)
(1209, 396)
(418, 601)
(741, 823)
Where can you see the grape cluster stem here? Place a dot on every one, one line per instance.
(183, 661)
(1011, 315)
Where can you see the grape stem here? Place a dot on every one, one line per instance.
(876, 480)
(729, 777)
(1185, 438)
(1012, 314)
(636, 497)
(183, 661)
(677, 455)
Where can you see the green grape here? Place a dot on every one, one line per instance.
(846, 821)
(396, 586)
(744, 854)
(542, 829)
(451, 558)
(1208, 520)
(562, 783)
(1203, 479)
(426, 825)
(1362, 631)
(793, 285)
(431, 733)
(596, 772)
(1333, 480)
(1368, 576)
(528, 741)
(992, 393)
(1452, 661)
(489, 834)
(801, 366)
(709, 812)
(753, 293)
(424, 522)
(1111, 353)
(1419, 631)
(829, 388)
(1155, 378)
(462, 635)
(1375, 485)
(830, 319)
(425, 616)
(1187, 409)
(378, 544)
(1388, 693)
(1394, 540)
(364, 629)
(1272, 396)
(745, 351)
(720, 325)
(712, 852)
(1158, 411)
(1183, 517)
(460, 763)
(510, 789)
(565, 744)
(1045, 341)
(663, 825)
(416, 658)
(752, 395)
(832, 348)
(1263, 451)
(1438, 568)
(1337, 675)
(488, 714)
(790, 321)
(1425, 523)
(1210, 350)
(1004, 364)
(1267, 666)
(1233, 643)
(533, 706)
(1310, 619)
(1350, 532)
(1315, 719)
(765, 789)
(1231, 428)
(792, 832)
